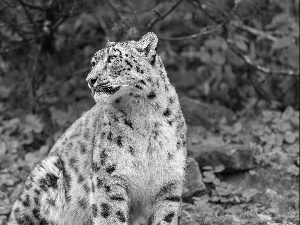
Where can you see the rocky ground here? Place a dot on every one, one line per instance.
(242, 169)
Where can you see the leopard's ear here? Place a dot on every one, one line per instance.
(110, 44)
(147, 45)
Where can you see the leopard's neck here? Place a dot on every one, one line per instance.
(151, 96)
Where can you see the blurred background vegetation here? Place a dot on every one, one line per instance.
(241, 54)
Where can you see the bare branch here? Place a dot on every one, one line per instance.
(201, 33)
(263, 69)
(33, 6)
(253, 31)
(140, 11)
(203, 8)
(155, 20)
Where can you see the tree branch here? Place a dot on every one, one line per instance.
(253, 31)
(155, 20)
(201, 33)
(263, 69)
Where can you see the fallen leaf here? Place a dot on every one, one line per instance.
(33, 123)
(290, 137)
(219, 168)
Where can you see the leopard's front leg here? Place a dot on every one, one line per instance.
(110, 201)
(167, 205)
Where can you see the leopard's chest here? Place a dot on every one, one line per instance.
(145, 150)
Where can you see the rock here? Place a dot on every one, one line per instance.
(199, 113)
(194, 183)
(228, 220)
(234, 157)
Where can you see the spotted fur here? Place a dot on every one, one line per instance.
(122, 159)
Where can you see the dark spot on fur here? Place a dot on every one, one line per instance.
(67, 186)
(171, 100)
(82, 203)
(59, 164)
(43, 221)
(26, 202)
(111, 169)
(114, 117)
(38, 192)
(95, 167)
(121, 216)
(152, 60)
(68, 197)
(28, 186)
(107, 188)
(69, 146)
(80, 179)
(168, 218)
(173, 198)
(86, 134)
(118, 100)
(103, 157)
(128, 123)
(51, 202)
(17, 211)
(24, 219)
(166, 87)
(43, 184)
(131, 150)
(151, 95)
(119, 141)
(94, 210)
(109, 136)
(73, 163)
(166, 189)
(167, 112)
(138, 87)
(51, 180)
(155, 134)
(82, 148)
(117, 198)
(143, 82)
(170, 122)
(105, 210)
(178, 145)
(36, 201)
(139, 70)
(86, 187)
(128, 63)
(99, 182)
(170, 156)
(36, 213)
(151, 220)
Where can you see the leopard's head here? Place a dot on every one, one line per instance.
(120, 67)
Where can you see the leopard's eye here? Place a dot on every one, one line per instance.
(111, 58)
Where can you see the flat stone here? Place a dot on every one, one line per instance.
(200, 113)
(194, 183)
(234, 157)
(228, 220)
